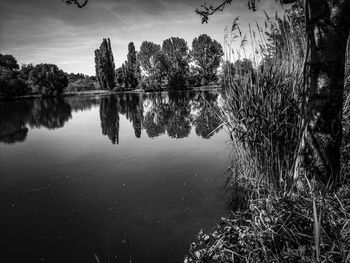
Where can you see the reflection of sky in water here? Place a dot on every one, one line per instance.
(66, 188)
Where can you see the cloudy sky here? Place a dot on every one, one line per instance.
(48, 31)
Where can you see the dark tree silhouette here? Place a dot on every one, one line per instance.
(109, 116)
(9, 62)
(207, 54)
(175, 51)
(48, 79)
(104, 64)
(132, 68)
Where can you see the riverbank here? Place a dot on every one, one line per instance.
(281, 229)
(65, 94)
(108, 92)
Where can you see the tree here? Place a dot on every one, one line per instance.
(207, 54)
(48, 79)
(327, 26)
(132, 67)
(104, 65)
(9, 62)
(148, 51)
(153, 62)
(175, 51)
(119, 77)
(25, 71)
(10, 83)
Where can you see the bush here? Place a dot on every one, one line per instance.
(81, 85)
(279, 229)
(48, 79)
(13, 87)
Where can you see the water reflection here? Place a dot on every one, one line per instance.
(66, 191)
(173, 114)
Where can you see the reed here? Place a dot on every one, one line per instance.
(262, 103)
(261, 111)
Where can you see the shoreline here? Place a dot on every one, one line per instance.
(106, 92)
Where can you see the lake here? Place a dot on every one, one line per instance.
(119, 176)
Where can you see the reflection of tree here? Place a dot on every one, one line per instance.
(130, 104)
(207, 121)
(110, 118)
(170, 112)
(50, 113)
(153, 127)
(83, 103)
(18, 134)
(12, 121)
(13, 117)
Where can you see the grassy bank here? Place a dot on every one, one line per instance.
(271, 220)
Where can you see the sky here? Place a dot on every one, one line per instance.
(49, 31)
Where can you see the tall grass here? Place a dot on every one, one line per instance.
(261, 110)
(262, 105)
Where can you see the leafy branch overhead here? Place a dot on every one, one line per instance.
(76, 2)
(207, 11)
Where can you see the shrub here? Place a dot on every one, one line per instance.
(279, 229)
(48, 79)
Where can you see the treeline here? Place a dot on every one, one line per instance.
(43, 79)
(171, 65)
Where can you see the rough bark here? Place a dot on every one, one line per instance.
(327, 25)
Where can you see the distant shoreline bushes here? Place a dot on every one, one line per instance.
(46, 80)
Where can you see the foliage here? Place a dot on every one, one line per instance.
(11, 83)
(81, 84)
(279, 229)
(48, 79)
(132, 68)
(175, 52)
(207, 54)
(9, 62)
(262, 106)
(76, 2)
(154, 63)
(13, 87)
(119, 77)
(261, 111)
(148, 51)
(104, 65)
(25, 71)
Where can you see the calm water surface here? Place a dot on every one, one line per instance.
(133, 174)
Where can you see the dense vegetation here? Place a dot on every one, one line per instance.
(42, 79)
(154, 67)
(168, 66)
(277, 217)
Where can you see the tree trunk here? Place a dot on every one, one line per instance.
(327, 25)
